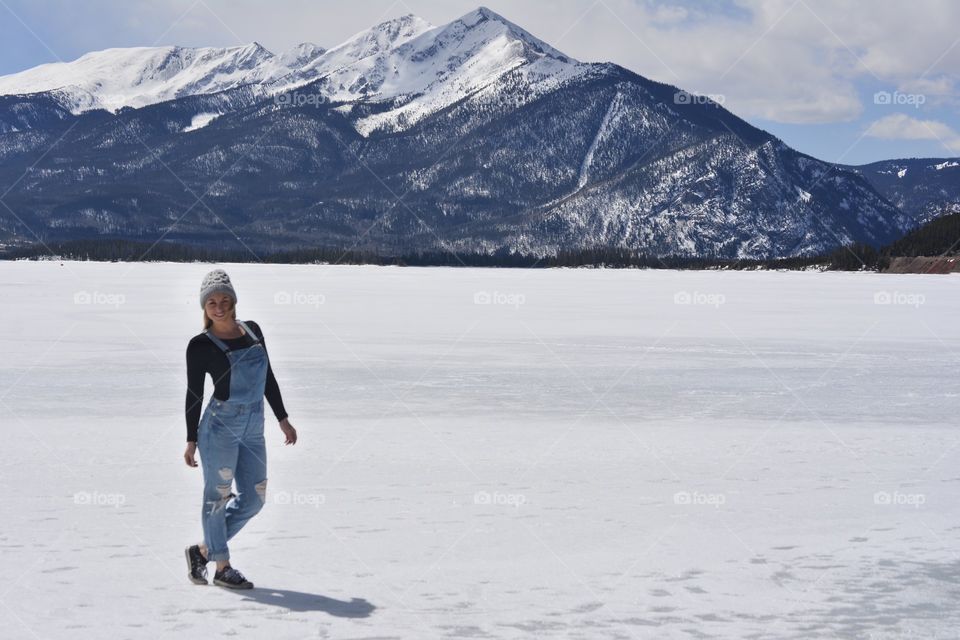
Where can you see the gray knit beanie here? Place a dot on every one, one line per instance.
(217, 281)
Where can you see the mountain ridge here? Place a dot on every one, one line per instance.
(480, 136)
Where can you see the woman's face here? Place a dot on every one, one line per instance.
(218, 306)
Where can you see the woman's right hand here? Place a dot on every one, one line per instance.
(189, 456)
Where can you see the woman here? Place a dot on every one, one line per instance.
(229, 436)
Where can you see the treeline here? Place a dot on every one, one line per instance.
(939, 237)
(851, 258)
(120, 250)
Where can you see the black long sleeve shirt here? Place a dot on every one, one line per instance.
(203, 357)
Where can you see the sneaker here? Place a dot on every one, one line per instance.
(232, 579)
(196, 565)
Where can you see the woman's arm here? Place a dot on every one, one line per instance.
(196, 373)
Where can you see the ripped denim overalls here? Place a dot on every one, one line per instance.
(232, 448)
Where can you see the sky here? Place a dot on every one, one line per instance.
(844, 81)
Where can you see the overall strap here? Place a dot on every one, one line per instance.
(223, 345)
(248, 331)
(217, 341)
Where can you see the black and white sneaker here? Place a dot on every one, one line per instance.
(196, 565)
(232, 579)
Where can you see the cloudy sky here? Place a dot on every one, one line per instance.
(844, 81)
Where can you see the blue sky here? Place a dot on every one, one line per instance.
(844, 81)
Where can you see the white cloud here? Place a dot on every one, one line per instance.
(899, 126)
(939, 91)
(800, 61)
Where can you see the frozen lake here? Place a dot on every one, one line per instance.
(493, 454)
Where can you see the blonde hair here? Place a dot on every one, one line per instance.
(207, 322)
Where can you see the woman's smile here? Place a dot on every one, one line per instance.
(219, 307)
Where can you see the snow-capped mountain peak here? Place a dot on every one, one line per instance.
(301, 55)
(138, 76)
(382, 37)
(420, 66)
(441, 66)
(480, 15)
(369, 43)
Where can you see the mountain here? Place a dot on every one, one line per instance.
(369, 45)
(474, 136)
(923, 188)
(140, 76)
(939, 237)
(301, 55)
(426, 69)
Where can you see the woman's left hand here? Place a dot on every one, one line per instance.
(288, 431)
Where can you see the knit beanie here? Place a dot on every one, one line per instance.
(217, 281)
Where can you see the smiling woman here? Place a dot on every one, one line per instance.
(229, 435)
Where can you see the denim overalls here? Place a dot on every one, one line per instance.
(232, 447)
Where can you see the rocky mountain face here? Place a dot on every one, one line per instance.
(470, 136)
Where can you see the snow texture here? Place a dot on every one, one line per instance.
(493, 453)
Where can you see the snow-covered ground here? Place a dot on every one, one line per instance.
(493, 454)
